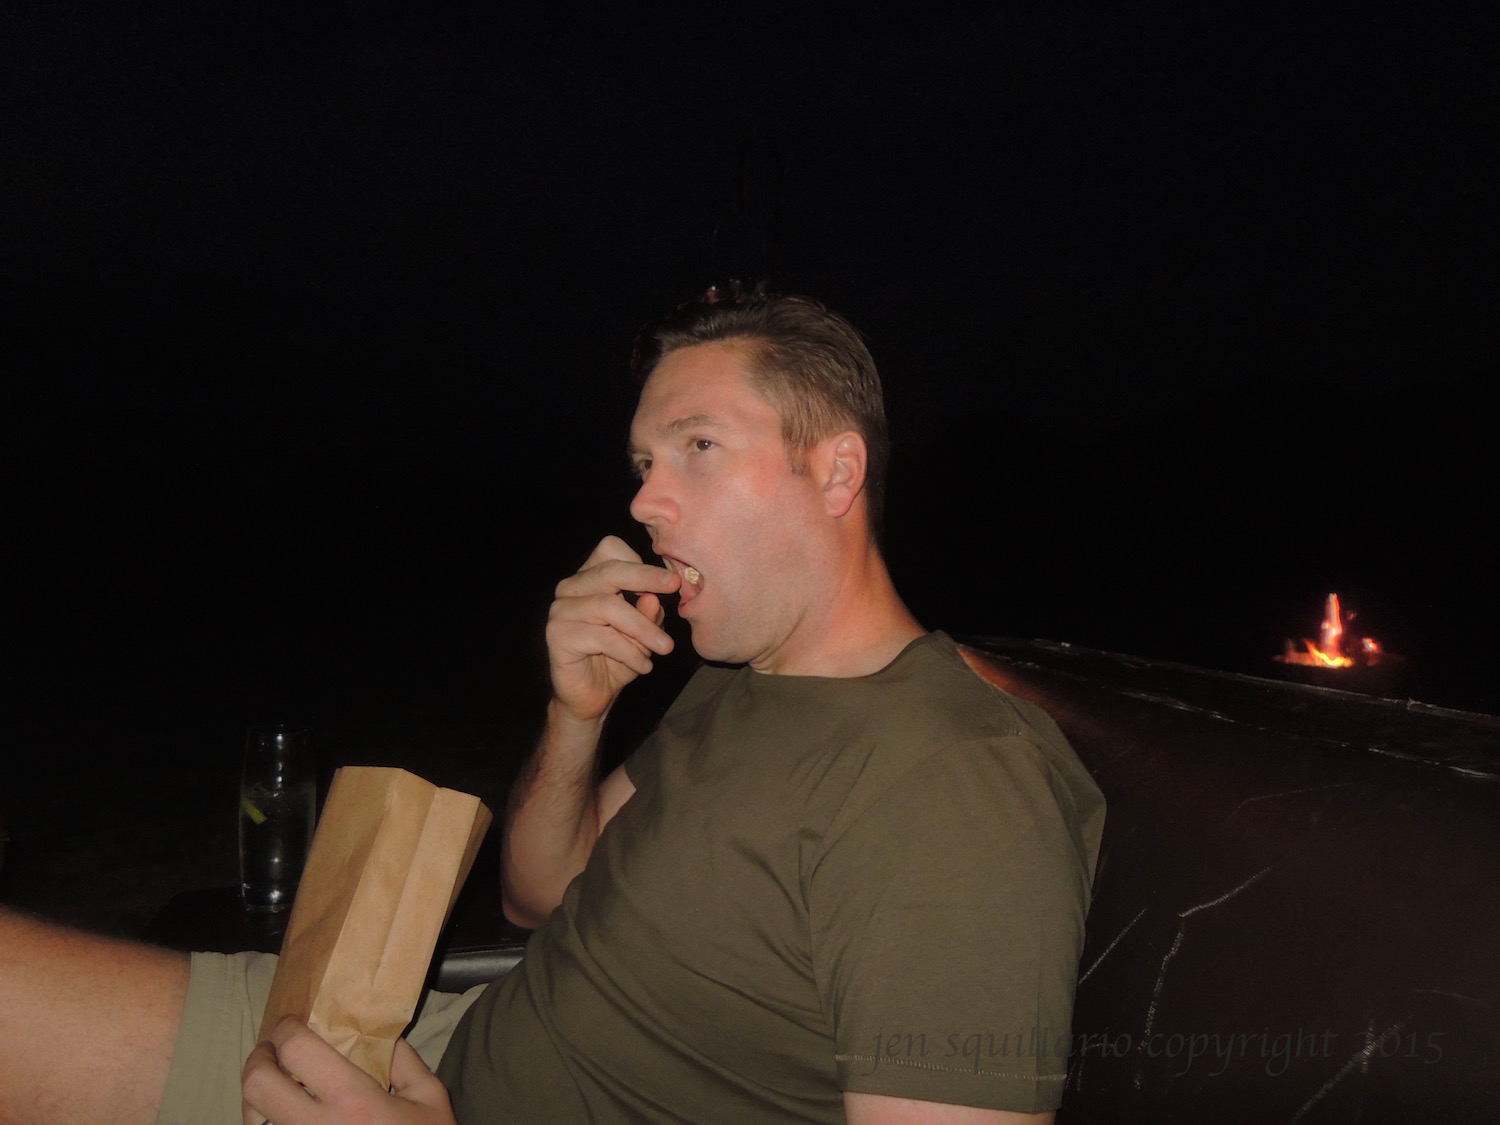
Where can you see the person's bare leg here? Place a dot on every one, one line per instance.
(87, 1024)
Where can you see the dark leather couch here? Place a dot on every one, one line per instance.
(1295, 911)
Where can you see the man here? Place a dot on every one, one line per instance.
(845, 879)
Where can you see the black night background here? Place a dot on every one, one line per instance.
(315, 323)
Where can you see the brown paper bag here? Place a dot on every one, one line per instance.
(387, 862)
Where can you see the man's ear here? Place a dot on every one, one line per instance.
(841, 463)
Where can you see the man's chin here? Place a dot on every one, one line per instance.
(713, 649)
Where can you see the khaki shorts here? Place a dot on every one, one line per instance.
(220, 1025)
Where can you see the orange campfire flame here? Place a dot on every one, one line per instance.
(1333, 648)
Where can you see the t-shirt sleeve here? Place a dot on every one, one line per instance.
(643, 764)
(947, 923)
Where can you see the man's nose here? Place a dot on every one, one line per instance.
(654, 501)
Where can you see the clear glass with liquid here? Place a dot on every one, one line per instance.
(278, 807)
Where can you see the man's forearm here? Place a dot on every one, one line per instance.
(597, 642)
(552, 818)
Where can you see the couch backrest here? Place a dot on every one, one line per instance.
(1294, 913)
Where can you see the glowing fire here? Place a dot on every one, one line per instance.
(1334, 648)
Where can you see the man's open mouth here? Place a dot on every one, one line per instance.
(692, 577)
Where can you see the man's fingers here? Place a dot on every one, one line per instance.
(303, 1052)
(604, 627)
(610, 547)
(295, 1076)
(336, 1091)
(271, 1093)
(411, 1079)
(577, 642)
(615, 576)
(649, 606)
(260, 1072)
(595, 595)
(607, 610)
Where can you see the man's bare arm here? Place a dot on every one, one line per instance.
(597, 643)
(555, 814)
(88, 1024)
(878, 1109)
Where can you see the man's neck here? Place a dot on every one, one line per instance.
(861, 628)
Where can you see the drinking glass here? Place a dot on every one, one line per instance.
(278, 805)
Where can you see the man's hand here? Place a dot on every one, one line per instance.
(295, 1078)
(597, 641)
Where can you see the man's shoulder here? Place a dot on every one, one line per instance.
(960, 694)
(954, 714)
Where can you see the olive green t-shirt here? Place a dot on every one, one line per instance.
(819, 885)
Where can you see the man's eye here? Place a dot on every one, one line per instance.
(702, 444)
(640, 469)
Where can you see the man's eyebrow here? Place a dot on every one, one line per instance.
(693, 422)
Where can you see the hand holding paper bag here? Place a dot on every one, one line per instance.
(294, 1078)
(388, 860)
